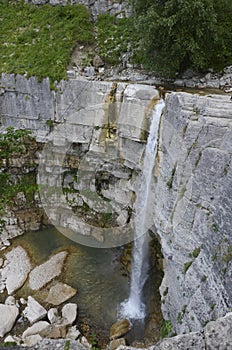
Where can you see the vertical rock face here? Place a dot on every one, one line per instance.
(100, 130)
(192, 208)
(95, 135)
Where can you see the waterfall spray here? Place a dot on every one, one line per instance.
(134, 308)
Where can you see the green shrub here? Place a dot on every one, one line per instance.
(165, 329)
(172, 40)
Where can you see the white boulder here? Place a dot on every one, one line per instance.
(8, 317)
(34, 311)
(69, 314)
(16, 268)
(45, 272)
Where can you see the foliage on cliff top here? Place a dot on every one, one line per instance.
(115, 37)
(175, 34)
(38, 40)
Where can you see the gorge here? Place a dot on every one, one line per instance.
(190, 189)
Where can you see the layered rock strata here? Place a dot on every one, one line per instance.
(192, 207)
(100, 130)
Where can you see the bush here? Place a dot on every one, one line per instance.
(175, 35)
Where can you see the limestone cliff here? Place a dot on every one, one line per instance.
(96, 132)
(107, 124)
(192, 206)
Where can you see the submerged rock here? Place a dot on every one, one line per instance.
(114, 344)
(8, 317)
(60, 293)
(45, 272)
(119, 329)
(34, 311)
(15, 270)
(57, 331)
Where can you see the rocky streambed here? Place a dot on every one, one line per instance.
(54, 288)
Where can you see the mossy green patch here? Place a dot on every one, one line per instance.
(166, 329)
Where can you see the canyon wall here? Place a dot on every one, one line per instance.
(192, 208)
(100, 129)
(94, 136)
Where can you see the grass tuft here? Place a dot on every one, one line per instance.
(38, 40)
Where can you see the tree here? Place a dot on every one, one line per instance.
(180, 34)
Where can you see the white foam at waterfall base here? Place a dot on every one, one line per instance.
(134, 307)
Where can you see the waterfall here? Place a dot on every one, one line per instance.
(134, 308)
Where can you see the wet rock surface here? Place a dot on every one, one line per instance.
(60, 293)
(47, 271)
(119, 329)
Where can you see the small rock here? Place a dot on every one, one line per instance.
(1, 262)
(7, 243)
(10, 339)
(42, 328)
(71, 74)
(8, 317)
(119, 329)
(23, 301)
(69, 314)
(85, 342)
(34, 311)
(114, 344)
(98, 62)
(101, 70)
(57, 331)
(89, 71)
(60, 293)
(53, 315)
(10, 300)
(45, 272)
(31, 340)
(73, 333)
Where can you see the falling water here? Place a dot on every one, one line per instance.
(134, 308)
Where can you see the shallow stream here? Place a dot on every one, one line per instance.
(100, 279)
